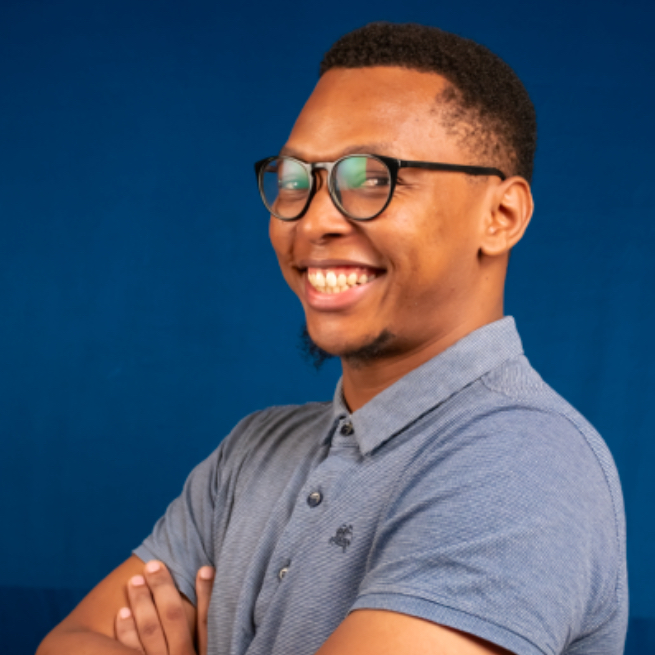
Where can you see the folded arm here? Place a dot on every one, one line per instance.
(161, 621)
(380, 632)
(90, 629)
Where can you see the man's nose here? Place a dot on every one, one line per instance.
(323, 219)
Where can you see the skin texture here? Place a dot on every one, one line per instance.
(440, 253)
(376, 632)
(161, 620)
(156, 621)
(441, 247)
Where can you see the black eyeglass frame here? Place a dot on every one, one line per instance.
(393, 166)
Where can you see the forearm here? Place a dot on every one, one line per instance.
(90, 627)
(154, 617)
(67, 641)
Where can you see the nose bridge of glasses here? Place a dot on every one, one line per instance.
(320, 179)
(316, 167)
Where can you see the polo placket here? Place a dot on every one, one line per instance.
(314, 499)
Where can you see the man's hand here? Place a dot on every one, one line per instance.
(156, 622)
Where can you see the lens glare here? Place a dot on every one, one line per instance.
(285, 184)
(362, 184)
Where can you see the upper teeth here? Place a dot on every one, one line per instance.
(329, 281)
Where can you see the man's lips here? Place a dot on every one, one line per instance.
(338, 287)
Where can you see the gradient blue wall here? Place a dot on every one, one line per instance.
(142, 313)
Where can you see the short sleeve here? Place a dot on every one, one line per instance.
(182, 538)
(507, 533)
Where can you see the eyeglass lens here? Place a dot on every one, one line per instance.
(360, 186)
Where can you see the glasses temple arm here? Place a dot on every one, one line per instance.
(456, 168)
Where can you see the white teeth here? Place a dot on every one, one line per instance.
(329, 282)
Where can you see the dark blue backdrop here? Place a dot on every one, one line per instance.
(142, 310)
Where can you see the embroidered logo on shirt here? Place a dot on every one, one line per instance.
(343, 537)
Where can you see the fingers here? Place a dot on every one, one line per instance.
(126, 631)
(172, 617)
(158, 623)
(204, 585)
(146, 617)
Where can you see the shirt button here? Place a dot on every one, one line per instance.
(282, 572)
(347, 429)
(314, 498)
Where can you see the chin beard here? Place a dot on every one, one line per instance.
(378, 348)
(310, 351)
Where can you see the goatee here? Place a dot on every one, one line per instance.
(379, 347)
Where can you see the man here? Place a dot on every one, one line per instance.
(447, 501)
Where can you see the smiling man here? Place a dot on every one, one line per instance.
(446, 501)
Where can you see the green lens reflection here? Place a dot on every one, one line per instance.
(286, 185)
(362, 185)
(292, 176)
(352, 172)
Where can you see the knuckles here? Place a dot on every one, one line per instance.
(174, 614)
(155, 594)
(149, 629)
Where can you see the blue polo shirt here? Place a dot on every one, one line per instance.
(468, 493)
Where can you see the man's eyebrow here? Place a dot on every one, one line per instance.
(359, 149)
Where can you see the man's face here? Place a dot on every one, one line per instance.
(412, 273)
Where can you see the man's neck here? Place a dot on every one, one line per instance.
(364, 381)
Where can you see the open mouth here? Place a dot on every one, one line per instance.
(339, 279)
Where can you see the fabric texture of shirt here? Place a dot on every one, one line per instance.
(468, 493)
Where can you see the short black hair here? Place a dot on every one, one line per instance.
(486, 103)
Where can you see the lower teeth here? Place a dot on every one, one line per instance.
(340, 288)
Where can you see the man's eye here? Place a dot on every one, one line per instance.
(370, 182)
(375, 181)
(292, 184)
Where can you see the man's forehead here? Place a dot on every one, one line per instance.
(380, 79)
(377, 110)
(371, 148)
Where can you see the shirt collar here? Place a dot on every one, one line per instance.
(430, 384)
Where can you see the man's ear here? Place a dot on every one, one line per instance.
(509, 215)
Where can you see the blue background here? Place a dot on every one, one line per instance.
(142, 310)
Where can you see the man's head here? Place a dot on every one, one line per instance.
(485, 104)
(430, 268)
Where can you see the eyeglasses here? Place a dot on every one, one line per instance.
(361, 186)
